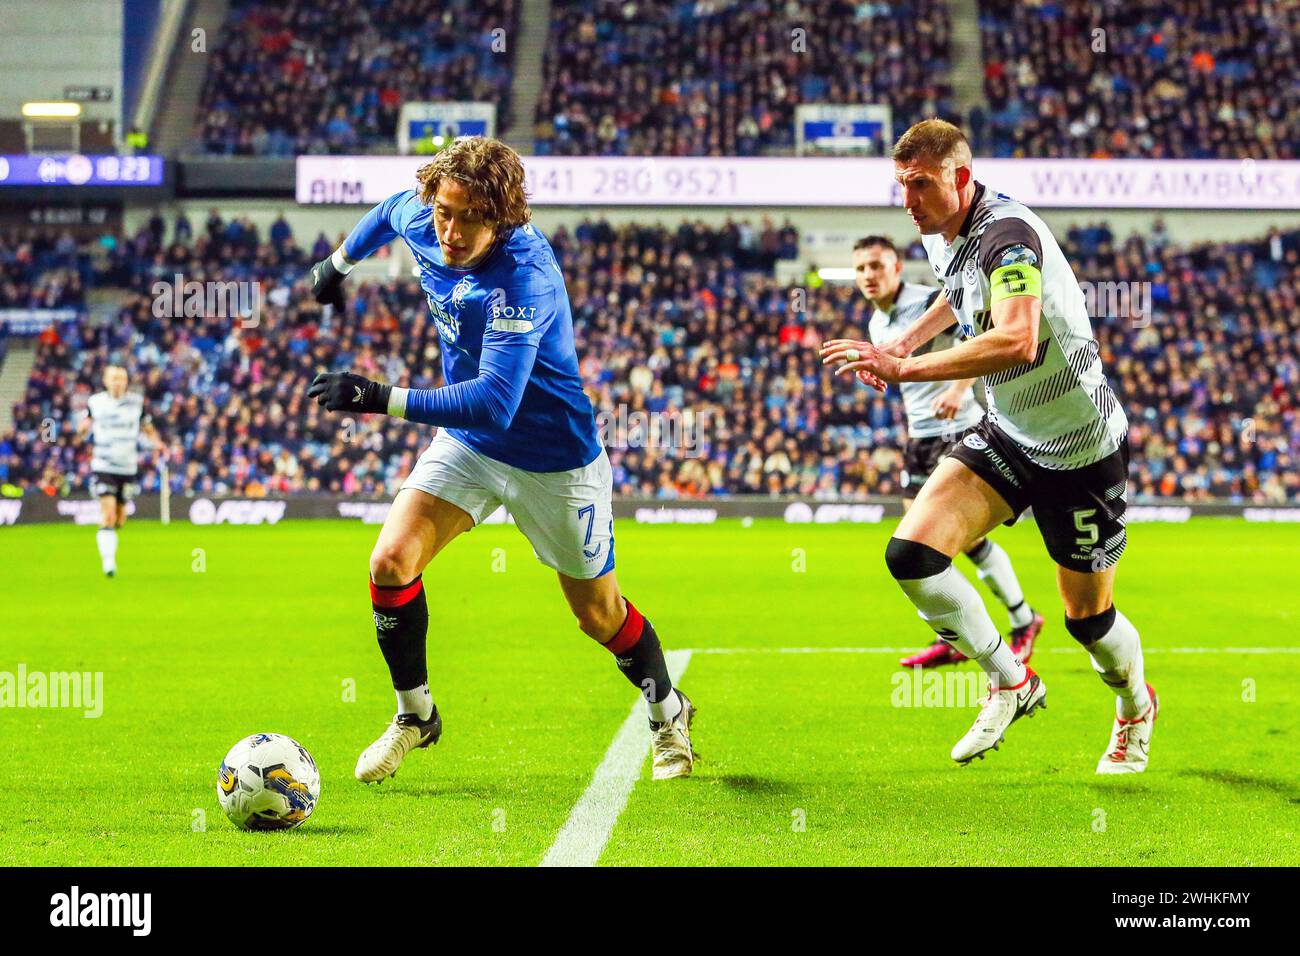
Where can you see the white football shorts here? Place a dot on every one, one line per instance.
(565, 515)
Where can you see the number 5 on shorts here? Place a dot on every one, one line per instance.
(1087, 528)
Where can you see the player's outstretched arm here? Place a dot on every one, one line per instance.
(937, 317)
(489, 400)
(377, 228)
(1011, 341)
(1015, 299)
(932, 321)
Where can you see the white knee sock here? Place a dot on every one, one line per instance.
(993, 565)
(951, 605)
(106, 539)
(1117, 657)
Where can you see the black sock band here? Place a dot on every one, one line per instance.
(640, 657)
(1089, 630)
(981, 551)
(911, 560)
(401, 624)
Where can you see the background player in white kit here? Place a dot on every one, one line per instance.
(1054, 438)
(114, 419)
(938, 414)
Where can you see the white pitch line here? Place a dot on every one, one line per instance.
(583, 837)
(1046, 650)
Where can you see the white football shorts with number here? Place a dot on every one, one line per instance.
(566, 515)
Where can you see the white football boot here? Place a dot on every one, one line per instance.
(670, 743)
(1130, 741)
(999, 711)
(407, 732)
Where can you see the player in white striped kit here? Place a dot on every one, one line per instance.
(114, 418)
(938, 414)
(1055, 439)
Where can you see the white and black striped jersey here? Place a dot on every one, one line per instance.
(1059, 407)
(115, 433)
(918, 397)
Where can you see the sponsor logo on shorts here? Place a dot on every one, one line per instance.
(977, 443)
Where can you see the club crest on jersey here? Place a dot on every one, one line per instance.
(970, 273)
(458, 293)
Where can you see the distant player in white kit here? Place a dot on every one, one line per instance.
(114, 418)
(938, 414)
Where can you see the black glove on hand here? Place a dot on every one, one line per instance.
(346, 392)
(327, 283)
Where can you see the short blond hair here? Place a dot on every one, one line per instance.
(936, 141)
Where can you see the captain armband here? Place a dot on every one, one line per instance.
(1020, 278)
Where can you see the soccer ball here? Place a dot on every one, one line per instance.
(268, 782)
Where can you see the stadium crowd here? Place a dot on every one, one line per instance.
(1062, 78)
(330, 76)
(1193, 79)
(41, 269)
(687, 325)
(719, 78)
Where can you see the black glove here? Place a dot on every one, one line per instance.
(346, 392)
(327, 283)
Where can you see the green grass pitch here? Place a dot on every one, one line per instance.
(211, 633)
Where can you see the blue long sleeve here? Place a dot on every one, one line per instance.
(377, 228)
(488, 401)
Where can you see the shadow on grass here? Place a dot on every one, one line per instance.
(746, 783)
(1286, 789)
(309, 829)
(445, 790)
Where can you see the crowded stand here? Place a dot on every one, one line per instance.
(687, 324)
(330, 76)
(723, 79)
(1187, 79)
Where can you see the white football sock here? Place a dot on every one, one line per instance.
(993, 565)
(952, 607)
(415, 701)
(1117, 657)
(666, 709)
(106, 539)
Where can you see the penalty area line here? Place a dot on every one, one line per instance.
(582, 839)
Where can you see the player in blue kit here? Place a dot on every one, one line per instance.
(515, 428)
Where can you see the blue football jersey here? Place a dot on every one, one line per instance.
(510, 312)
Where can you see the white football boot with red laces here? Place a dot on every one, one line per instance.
(1130, 740)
